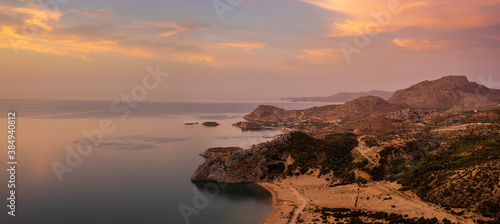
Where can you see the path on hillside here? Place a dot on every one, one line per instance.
(358, 148)
(299, 209)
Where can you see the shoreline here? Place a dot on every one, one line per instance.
(284, 203)
(273, 194)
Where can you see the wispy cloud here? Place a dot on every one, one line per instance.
(107, 14)
(165, 29)
(312, 58)
(422, 44)
(32, 14)
(68, 47)
(325, 56)
(245, 45)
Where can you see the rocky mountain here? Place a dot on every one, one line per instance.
(342, 96)
(454, 93)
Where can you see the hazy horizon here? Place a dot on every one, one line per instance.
(244, 98)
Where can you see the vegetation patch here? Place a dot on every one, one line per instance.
(326, 155)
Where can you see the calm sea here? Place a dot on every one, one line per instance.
(139, 173)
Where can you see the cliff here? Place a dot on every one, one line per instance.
(237, 165)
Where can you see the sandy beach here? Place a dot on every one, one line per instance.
(296, 198)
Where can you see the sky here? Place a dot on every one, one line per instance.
(241, 49)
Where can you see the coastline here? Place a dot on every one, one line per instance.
(299, 195)
(273, 193)
(283, 204)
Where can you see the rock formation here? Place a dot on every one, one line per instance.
(210, 124)
(236, 165)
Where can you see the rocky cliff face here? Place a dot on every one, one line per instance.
(236, 165)
(445, 93)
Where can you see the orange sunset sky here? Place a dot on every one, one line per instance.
(242, 49)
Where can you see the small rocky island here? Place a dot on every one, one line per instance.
(210, 124)
(249, 126)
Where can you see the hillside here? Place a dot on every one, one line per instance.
(341, 97)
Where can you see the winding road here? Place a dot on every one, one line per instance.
(299, 209)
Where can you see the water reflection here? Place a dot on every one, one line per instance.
(233, 191)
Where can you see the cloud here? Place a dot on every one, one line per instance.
(325, 56)
(202, 58)
(32, 15)
(312, 57)
(245, 45)
(85, 31)
(421, 44)
(66, 47)
(429, 15)
(165, 29)
(106, 14)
